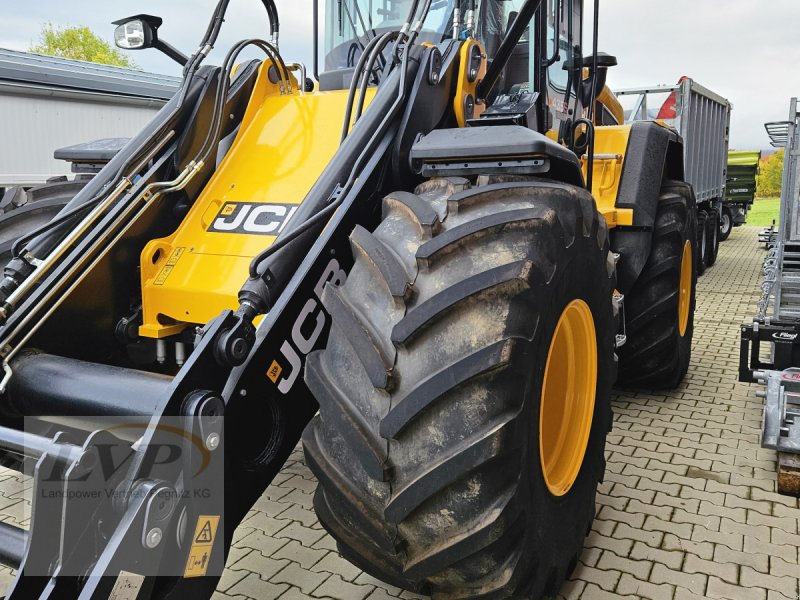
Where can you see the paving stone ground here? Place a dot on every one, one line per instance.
(688, 508)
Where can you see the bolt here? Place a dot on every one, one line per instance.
(212, 441)
(239, 348)
(153, 538)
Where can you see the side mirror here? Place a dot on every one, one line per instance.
(137, 32)
(141, 31)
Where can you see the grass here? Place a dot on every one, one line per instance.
(763, 211)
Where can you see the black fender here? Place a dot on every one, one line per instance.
(654, 154)
(494, 149)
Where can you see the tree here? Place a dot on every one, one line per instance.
(769, 176)
(79, 43)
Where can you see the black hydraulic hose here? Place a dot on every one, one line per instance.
(205, 150)
(403, 34)
(415, 30)
(63, 217)
(209, 38)
(342, 193)
(60, 219)
(293, 235)
(190, 69)
(215, 24)
(213, 133)
(376, 52)
(351, 94)
(272, 14)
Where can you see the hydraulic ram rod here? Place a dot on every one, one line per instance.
(12, 545)
(34, 446)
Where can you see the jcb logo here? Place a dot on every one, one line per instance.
(251, 217)
(311, 320)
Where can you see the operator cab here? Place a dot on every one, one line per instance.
(532, 67)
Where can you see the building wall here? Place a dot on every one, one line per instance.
(36, 121)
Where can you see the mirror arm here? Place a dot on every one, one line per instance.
(171, 51)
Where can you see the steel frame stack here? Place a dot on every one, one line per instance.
(778, 319)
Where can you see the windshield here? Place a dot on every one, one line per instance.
(351, 24)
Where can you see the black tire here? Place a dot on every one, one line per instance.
(702, 242)
(657, 354)
(426, 446)
(725, 223)
(712, 238)
(42, 204)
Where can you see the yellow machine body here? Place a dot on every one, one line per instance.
(283, 145)
(610, 145)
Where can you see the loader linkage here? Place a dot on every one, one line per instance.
(165, 341)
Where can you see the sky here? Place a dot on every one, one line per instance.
(747, 51)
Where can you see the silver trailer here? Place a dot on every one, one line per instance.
(702, 118)
(47, 103)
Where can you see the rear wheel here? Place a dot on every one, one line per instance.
(659, 309)
(465, 389)
(725, 223)
(702, 242)
(39, 206)
(712, 237)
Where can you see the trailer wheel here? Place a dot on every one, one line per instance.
(659, 309)
(725, 223)
(41, 204)
(702, 242)
(465, 389)
(712, 237)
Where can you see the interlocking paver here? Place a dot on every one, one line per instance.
(643, 589)
(688, 510)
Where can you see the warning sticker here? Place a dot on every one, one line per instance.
(202, 545)
(167, 268)
(274, 371)
(205, 536)
(127, 586)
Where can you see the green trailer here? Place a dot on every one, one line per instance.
(740, 189)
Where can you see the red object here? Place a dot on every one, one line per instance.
(667, 110)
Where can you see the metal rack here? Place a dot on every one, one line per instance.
(778, 319)
(786, 287)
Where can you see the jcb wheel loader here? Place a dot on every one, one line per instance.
(432, 263)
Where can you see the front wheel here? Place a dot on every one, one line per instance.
(465, 389)
(725, 223)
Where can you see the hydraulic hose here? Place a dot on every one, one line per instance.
(365, 77)
(351, 94)
(328, 210)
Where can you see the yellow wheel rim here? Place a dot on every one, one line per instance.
(568, 394)
(685, 298)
